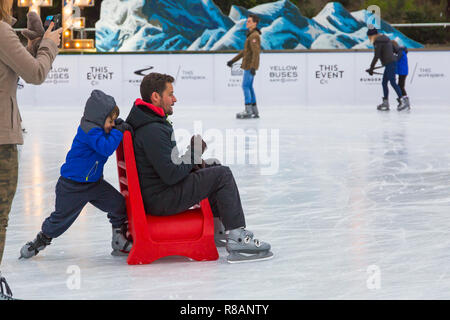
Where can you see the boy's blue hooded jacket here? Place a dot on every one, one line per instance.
(402, 63)
(92, 146)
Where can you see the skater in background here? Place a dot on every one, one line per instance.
(384, 50)
(171, 183)
(250, 63)
(16, 61)
(402, 69)
(81, 181)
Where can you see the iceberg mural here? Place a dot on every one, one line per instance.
(199, 25)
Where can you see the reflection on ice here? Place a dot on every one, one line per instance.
(358, 194)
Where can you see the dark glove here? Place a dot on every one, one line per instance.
(118, 121)
(370, 71)
(199, 166)
(123, 126)
(34, 31)
(253, 71)
(230, 63)
(196, 141)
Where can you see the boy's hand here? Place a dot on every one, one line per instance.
(118, 121)
(123, 126)
(253, 71)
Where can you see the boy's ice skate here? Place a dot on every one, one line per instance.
(244, 248)
(30, 249)
(121, 243)
(384, 106)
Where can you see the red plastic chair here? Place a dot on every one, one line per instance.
(189, 234)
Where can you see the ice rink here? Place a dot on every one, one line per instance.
(359, 208)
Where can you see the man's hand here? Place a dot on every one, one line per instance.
(230, 63)
(199, 166)
(253, 71)
(370, 71)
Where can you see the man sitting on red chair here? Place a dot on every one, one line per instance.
(172, 183)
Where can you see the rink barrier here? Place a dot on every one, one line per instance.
(288, 78)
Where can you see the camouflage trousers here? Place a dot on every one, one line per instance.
(8, 184)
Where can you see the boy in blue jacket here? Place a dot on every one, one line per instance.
(81, 180)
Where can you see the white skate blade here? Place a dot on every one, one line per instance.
(241, 258)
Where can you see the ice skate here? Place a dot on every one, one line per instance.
(246, 114)
(255, 110)
(220, 237)
(5, 291)
(384, 106)
(121, 243)
(403, 104)
(30, 249)
(242, 247)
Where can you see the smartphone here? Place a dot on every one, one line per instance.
(56, 19)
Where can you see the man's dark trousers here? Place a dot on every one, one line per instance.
(214, 182)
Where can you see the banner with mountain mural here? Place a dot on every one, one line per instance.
(199, 25)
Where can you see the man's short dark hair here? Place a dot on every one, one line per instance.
(154, 82)
(254, 17)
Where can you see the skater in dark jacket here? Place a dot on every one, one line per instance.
(402, 69)
(172, 183)
(384, 51)
(81, 180)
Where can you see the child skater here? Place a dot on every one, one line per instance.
(402, 69)
(81, 180)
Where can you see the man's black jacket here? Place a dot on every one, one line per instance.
(158, 163)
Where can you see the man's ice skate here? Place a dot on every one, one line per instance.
(220, 237)
(255, 110)
(121, 243)
(5, 291)
(30, 249)
(384, 106)
(247, 113)
(242, 247)
(403, 104)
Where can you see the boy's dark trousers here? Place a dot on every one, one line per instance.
(214, 182)
(72, 196)
(389, 76)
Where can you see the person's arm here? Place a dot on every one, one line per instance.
(238, 57)
(376, 56)
(158, 151)
(18, 58)
(255, 46)
(104, 144)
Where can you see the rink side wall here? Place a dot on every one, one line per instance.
(203, 79)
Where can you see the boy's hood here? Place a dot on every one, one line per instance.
(98, 107)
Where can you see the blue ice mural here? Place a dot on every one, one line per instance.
(199, 25)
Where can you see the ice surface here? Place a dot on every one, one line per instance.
(356, 190)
